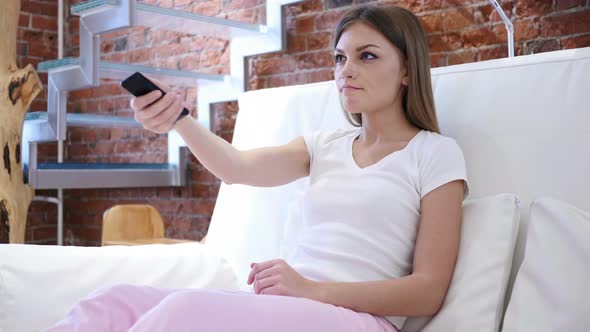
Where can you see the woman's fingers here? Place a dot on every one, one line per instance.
(168, 118)
(261, 284)
(161, 84)
(257, 267)
(155, 109)
(139, 103)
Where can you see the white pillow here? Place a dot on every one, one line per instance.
(475, 299)
(38, 284)
(552, 287)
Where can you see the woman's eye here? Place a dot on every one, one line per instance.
(368, 56)
(338, 58)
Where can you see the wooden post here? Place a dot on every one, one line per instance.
(18, 88)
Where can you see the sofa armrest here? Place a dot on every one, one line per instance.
(38, 284)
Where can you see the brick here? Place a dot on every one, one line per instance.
(108, 90)
(203, 207)
(299, 78)
(44, 233)
(165, 51)
(159, 37)
(306, 7)
(24, 20)
(304, 24)
(33, 60)
(327, 21)
(461, 57)
(22, 48)
(199, 190)
(487, 13)
(526, 29)
(120, 44)
(202, 176)
(209, 58)
(432, 23)
(139, 55)
(180, 3)
(102, 148)
(136, 40)
(444, 42)
(568, 4)
(209, 8)
(72, 24)
(566, 24)
(200, 43)
(315, 60)
(527, 8)
(44, 23)
(224, 123)
(496, 52)
(319, 40)
(479, 37)
(40, 50)
(458, 19)
(273, 66)
(540, 46)
(249, 15)
(227, 136)
(40, 8)
(80, 94)
(129, 146)
(296, 43)
(322, 75)
(115, 34)
(181, 225)
(275, 81)
(106, 46)
(166, 3)
(239, 4)
(575, 42)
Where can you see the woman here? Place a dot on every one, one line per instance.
(382, 215)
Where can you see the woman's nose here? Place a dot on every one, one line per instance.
(348, 70)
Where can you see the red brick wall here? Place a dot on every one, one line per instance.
(459, 31)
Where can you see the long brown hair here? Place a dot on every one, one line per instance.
(404, 31)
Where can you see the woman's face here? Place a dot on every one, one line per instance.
(369, 70)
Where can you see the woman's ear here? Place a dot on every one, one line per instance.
(405, 76)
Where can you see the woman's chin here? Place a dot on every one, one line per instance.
(351, 107)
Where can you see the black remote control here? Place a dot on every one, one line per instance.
(140, 85)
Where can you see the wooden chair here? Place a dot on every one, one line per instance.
(133, 224)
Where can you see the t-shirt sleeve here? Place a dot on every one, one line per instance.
(444, 163)
(311, 142)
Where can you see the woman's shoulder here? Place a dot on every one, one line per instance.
(433, 140)
(324, 137)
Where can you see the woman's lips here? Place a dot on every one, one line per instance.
(349, 89)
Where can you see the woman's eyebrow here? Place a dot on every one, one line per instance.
(360, 48)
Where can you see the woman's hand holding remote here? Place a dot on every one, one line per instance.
(155, 115)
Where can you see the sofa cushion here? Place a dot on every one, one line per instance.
(475, 298)
(38, 284)
(552, 289)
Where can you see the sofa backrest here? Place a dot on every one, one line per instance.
(523, 124)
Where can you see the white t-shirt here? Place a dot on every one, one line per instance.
(360, 224)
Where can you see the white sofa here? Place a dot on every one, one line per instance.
(523, 124)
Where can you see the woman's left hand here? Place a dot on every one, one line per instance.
(276, 277)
